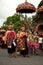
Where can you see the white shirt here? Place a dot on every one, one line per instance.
(40, 39)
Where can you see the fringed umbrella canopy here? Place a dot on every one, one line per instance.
(25, 8)
(2, 31)
(40, 10)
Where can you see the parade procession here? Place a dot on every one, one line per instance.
(21, 32)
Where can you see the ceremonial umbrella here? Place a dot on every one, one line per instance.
(25, 7)
(40, 10)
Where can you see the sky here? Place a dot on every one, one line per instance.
(8, 8)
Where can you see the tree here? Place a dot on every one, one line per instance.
(17, 20)
(40, 4)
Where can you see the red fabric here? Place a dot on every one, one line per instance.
(12, 35)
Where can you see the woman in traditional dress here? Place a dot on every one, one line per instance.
(30, 42)
(23, 42)
(36, 44)
(10, 39)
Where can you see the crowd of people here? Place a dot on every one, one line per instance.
(22, 42)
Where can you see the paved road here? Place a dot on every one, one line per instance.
(33, 60)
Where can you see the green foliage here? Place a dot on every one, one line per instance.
(17, 20)
(40, 4)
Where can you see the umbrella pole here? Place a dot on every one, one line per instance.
(26, 24)
(25, 0)
(25, 21)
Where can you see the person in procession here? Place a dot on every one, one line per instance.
(30, 41)
(23, 42)
(36, 44)
(10, 37)
(1, 41)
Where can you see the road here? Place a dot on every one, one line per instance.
(33, 60)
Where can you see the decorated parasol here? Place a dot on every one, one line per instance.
(25, 7)
(40, 10)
